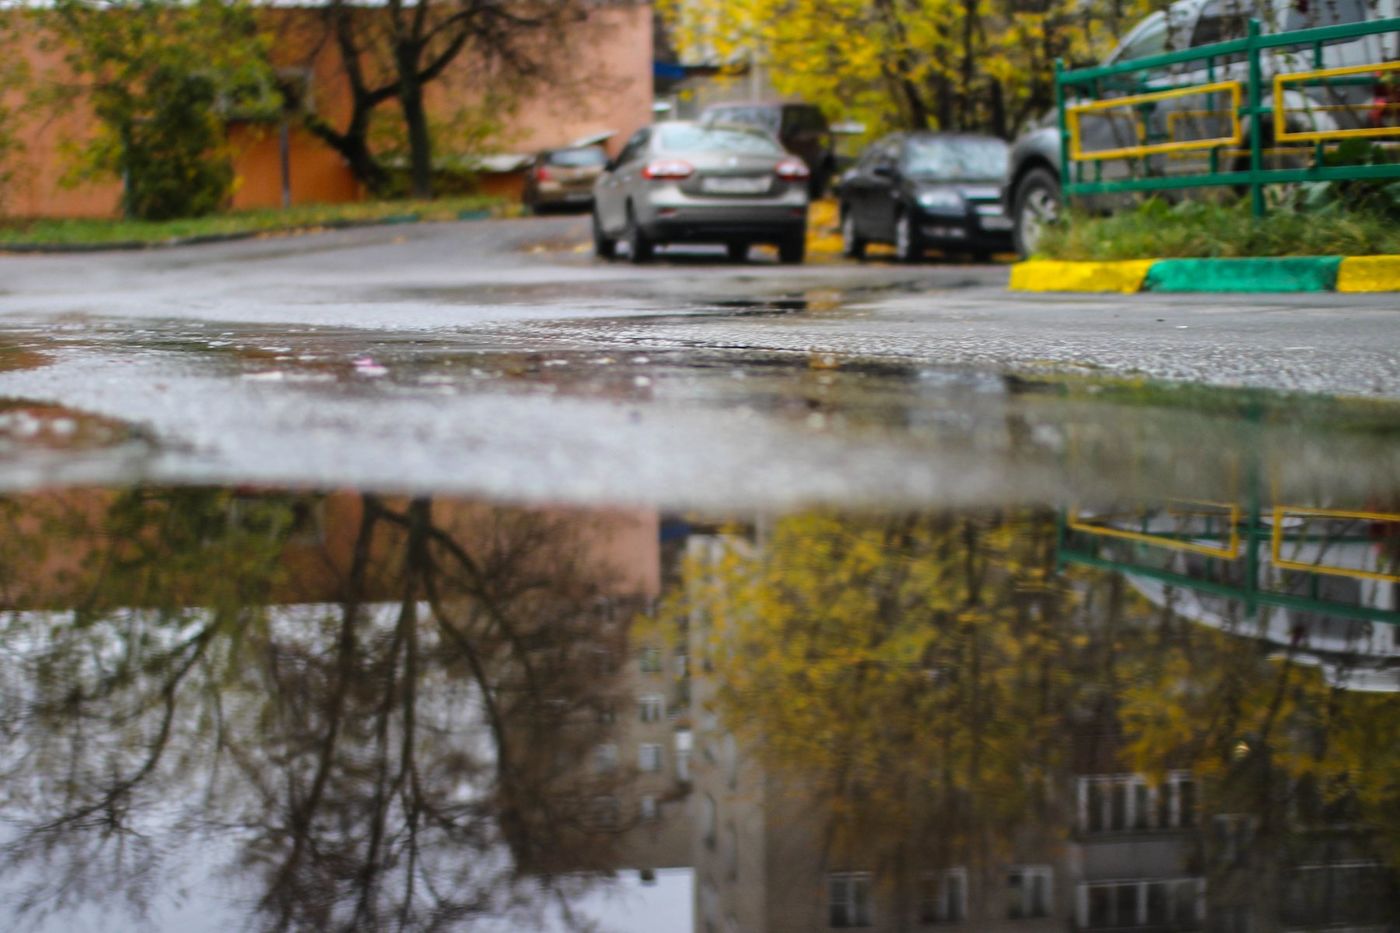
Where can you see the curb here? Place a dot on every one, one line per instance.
(201, 239)
(1264, 274)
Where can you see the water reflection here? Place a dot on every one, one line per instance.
(383, 705)
(361, 712)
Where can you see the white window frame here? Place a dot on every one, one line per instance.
(841, 888)
(1046, 875)
(1178, 816)
(654, 751)
(1140, 903)
(950, 901)
(651, 707)
(605, 758)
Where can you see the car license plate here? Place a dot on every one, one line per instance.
(747, 185)
(996, 223)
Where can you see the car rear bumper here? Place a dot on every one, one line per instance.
(956, 232)
(698, 224)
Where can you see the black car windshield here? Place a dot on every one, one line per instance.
(689, 137)
(955, 159)
(578, 158)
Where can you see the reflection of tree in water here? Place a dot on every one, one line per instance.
(401, 755)
(908, 672)
(932, 686)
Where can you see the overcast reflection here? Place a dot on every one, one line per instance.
(369, 712)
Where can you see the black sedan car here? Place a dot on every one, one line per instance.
(923, 191)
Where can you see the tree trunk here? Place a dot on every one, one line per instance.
(415, 118)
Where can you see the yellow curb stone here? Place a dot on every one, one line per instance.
(1047, 275)
(1369, 274)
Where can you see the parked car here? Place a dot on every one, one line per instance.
(923, 190)
(558, 178)
(1031, 193)
(801, 128)
(688, 182)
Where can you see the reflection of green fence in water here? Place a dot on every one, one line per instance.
(1254, 101)
(1240, 553)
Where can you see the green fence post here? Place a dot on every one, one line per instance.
(1256, 126)
(1066, 170)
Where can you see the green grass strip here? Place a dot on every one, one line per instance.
(1276, 274)
(86, 232)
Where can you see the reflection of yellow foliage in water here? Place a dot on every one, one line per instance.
(1265, 733)
(908, 671)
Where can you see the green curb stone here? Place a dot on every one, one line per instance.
(1281, 274)
(477, 214)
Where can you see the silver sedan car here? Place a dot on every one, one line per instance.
(683, 182)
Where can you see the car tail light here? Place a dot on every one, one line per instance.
(668, 170)
(542, 174)
(793, 170)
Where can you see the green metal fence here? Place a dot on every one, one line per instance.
(1253, 103)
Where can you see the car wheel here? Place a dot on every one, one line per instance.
(604, 246)
(639, 245)
(738, 250)
(793, 249)
(908, 245)
(852, 246)
(1035, 205)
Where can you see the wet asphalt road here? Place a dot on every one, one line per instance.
(500, 358)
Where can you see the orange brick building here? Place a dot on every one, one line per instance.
(601, 81)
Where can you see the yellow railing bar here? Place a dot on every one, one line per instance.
(1283, 134)
(1276, 545)
(1072, 115)
(1229, 552)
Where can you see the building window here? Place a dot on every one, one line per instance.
(943, 896)
(1120, 803)
(683, 764)
(605, 758)
(1234, 837)
(1028, 891)
(649, 757)
(649, 809)
(606, 812)
(848, 899)
(651, 706)
(650, 661)
(1176, 902)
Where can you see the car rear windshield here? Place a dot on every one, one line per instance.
(578, 158)
(956, 159)
(766, 118)
(688, 137)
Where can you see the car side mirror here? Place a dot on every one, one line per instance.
(610, 165)
(883, 171)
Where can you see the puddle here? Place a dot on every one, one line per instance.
(26, 426)
(340, 710)
(13, 358)
(476, 632)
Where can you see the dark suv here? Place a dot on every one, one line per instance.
(801, 129)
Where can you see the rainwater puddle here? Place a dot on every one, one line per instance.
(666, 639)
(230, 707)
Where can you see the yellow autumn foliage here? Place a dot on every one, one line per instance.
(937, 64)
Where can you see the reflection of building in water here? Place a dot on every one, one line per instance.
(1104, 848)
(1320, 584)
(427, 687)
